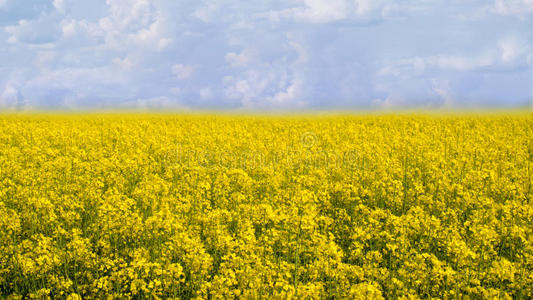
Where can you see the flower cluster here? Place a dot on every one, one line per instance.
(99, 206)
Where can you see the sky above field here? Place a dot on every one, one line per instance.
(290, 54)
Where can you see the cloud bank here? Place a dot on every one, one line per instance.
(296, 54)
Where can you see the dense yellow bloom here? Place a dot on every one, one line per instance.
(166, 206)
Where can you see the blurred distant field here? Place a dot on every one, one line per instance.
(205, 206)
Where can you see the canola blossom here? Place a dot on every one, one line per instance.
(115, 206)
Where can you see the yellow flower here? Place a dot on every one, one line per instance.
(125, 206)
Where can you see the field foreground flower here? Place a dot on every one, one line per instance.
(202, 206)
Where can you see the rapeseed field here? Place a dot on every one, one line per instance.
(100, 206)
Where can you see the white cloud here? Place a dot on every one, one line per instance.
(292, 53)
(11, 97)
(60, 5)
(206, 12)
(206, 93)
(77, 78)
(288, 95)
(126, 63)
(236, 60)
(530, 59)
(42, 30)
(512, 49)
(312, 11)
(444, 91)
(276, 84)
(182, 71)
(419, 65)
(508, 53)
(161, 102)
(132, 23)
(358, 11)
(377, 8)
(68, 27)
(513, 7)
(246, 90)
(442, 80)
(152, 36)
(131, 15)
(44, 58)
(323, 10)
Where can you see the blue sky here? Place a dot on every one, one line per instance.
(261, 55)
